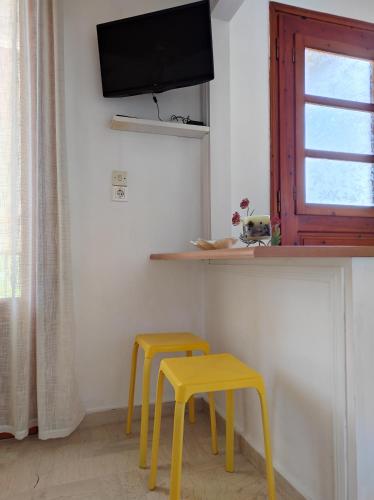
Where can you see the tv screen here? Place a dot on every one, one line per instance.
(156, 52)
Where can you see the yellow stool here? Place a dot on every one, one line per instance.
(152, 344)
(188, 376)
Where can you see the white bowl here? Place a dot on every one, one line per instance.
(214, 244)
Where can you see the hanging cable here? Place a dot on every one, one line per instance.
(158, 108)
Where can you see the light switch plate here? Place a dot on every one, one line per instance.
(119, 178)
(119, 193)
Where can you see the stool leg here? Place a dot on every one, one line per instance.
(145, 413)
(130, 404)
(266, 430)
(230, 431)
(213, 423)
(176, 456)
(156, 432)
(191, 402)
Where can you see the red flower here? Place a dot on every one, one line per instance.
(244, 203)
(275, 221)
(235, 219)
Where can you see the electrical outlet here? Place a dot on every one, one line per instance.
(119, 193)
(119, 178)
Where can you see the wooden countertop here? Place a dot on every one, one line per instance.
(269, 252)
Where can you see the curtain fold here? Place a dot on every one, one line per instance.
(37, 369)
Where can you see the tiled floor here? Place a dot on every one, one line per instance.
(100, 463)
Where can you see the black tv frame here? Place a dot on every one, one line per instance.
(157, 88)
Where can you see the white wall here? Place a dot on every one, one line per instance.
(306, 325)
(361, 377)
(249, 91)
(220, 123)
(278, 318)
(118, 292)
(259, 319)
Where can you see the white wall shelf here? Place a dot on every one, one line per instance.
(158, 127)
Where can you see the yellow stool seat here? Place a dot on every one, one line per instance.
(152, 344)
(189, 376)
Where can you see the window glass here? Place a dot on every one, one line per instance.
(334, 182)
(10, 203)
(338, 76)
(338, 129)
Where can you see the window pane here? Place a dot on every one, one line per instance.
(337, 129)
(10, 172)
(333, 182)
(337, 76)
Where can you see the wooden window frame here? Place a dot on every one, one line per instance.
(301, 99)
(284, 201)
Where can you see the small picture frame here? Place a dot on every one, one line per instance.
(256, 228)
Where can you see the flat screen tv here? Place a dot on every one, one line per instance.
(156, 52)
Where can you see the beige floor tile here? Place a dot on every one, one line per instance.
(100, 463)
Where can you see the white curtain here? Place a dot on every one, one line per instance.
(37, 375)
